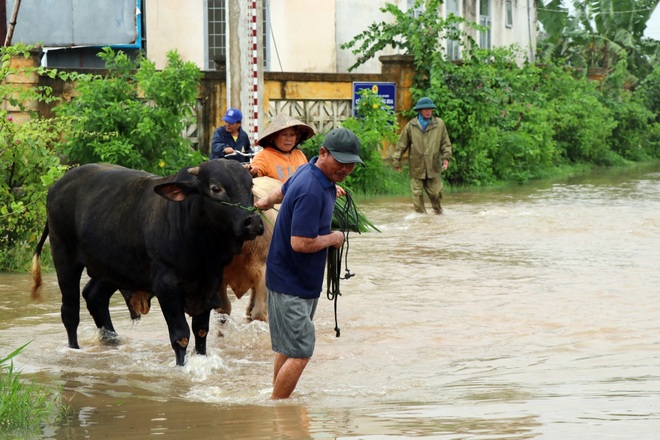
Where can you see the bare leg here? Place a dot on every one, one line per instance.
(279, 361)
(286, 373)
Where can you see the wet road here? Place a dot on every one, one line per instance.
(527, 312)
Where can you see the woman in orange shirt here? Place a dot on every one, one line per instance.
(280, 157)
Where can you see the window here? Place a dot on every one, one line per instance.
(415, 12)
(484, 20)
(217, 32)
(508, 14)
(452, 7)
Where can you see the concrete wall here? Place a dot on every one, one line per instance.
(175, 24)
(519, 32)
(292, 86)
(353, 18)
(306, 35)
(19, 82)
(303, 31)
(278, 86)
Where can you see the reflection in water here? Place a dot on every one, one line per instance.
(526, 312)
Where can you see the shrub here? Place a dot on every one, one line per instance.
(509, 120)
(497, 123)
(27, 165)
(27, 168)
(631, 136)
(635, 113)
(649, 92)
(376, 128)
(134, 116)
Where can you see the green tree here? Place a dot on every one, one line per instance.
(421, 36)
(599, 33)
(28, 164)
(376, 128)
(649, 91)
(134, 115)
(510, 120)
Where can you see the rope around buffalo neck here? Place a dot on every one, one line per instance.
(251, 209)
(238, 205)
(343, 217)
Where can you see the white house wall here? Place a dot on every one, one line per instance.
(518, 33)
(353, 18)
(305, 35)
(303, 31)
(175, 24)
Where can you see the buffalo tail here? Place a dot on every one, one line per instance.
(35, 270)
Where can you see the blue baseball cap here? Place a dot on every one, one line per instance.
(233, 116)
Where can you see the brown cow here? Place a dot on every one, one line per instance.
(247, 270)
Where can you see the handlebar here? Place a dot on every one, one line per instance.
(241, 153)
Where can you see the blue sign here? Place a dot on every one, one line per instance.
(386, 90)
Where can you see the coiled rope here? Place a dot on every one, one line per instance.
(345, 219)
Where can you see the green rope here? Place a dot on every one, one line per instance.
(343, 218)
(238, 205)
(251, 209)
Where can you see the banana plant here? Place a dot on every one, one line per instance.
(599, 33)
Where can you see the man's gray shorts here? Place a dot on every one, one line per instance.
(291, 327)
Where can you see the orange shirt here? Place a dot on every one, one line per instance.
(278, 165)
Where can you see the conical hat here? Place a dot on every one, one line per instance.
(279, 123)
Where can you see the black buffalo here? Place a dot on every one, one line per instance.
(168, 236)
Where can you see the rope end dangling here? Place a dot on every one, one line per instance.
(335, 257)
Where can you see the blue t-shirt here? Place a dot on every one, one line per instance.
(306, 211)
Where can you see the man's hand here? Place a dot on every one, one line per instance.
(307, 245)
(272, 199)
(445, 164)
(263, 204)
(339, 238)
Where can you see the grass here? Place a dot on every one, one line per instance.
(26, 406)
(18, 258)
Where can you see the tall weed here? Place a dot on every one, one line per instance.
(26, 406)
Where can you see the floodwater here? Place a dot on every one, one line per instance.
(527, 312)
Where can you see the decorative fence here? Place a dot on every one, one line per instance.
(322, 115)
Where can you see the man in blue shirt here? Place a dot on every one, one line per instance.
(230, 140)
(298, 252)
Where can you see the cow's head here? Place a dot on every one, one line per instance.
(227, 201)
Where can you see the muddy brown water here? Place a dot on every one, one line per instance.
(527, 312)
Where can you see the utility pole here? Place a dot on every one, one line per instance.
(12, 23)
(245, 61)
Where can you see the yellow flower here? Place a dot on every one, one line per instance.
(161, 164)
(375, 106)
